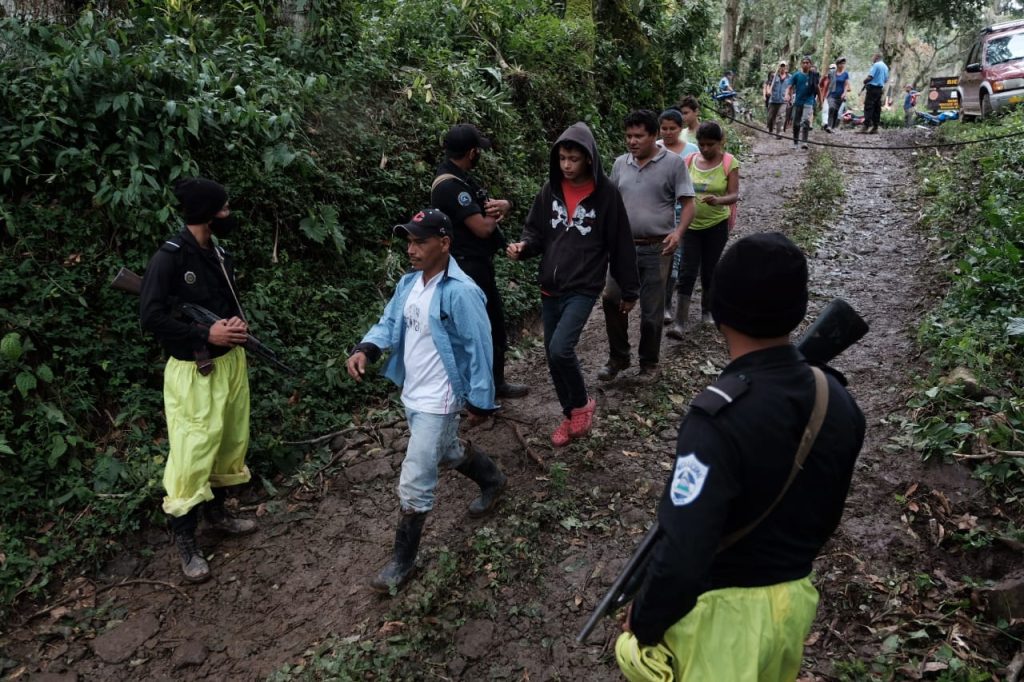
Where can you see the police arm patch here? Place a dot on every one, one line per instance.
(687, 479)
(465, 199)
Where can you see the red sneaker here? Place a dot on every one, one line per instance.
(560, 438)
(582, 418)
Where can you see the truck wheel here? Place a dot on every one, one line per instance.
(986, 106)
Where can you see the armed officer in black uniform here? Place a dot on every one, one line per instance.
(476, 236)
(206, 382)
(726, 594)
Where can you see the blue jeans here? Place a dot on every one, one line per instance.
(433, 442)
(564, 317)
(654, 269)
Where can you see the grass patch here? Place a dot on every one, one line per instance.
(818, 199)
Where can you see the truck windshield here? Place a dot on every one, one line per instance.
(1005, 49)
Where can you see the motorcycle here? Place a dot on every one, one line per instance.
(730, 105)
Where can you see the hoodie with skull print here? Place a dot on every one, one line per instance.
(577, 251)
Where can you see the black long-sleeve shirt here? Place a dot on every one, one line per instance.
(183, 272)
(733, 457)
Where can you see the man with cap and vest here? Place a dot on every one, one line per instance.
(206, 383)
(436, 328)
(726, 594)
(476, 236)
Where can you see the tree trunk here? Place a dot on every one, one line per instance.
(795, 43)
(826, 47)
(894, 41)
(732, 15)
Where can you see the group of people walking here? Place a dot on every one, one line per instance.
(798, 94)
(617, 237)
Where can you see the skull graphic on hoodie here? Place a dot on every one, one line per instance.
(582, 219)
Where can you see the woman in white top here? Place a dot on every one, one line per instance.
(673, 128)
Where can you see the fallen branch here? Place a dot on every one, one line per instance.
(534, 457)
(1014, 669)
(961, 455)
(321, 439)
(145, 581)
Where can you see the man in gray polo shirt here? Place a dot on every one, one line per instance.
(651, 180)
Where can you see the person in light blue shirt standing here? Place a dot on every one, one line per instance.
(875, 83)
(803, 89)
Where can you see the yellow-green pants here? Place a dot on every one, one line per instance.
(208, 429)
(736, 634)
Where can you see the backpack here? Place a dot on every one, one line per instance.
(726, 166)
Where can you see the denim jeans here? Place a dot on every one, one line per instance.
(654, 269)
(433, 442)
(564, 317)
(701, 251)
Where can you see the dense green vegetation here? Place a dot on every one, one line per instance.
(971, 407)
(325, 139)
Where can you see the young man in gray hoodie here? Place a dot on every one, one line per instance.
(579, 227)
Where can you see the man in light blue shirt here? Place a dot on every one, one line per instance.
(875, 83)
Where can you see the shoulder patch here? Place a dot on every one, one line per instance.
(721, 394)
(171, 245)
(465, 199)
(687, 479)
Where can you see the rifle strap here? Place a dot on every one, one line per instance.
(445, 177)
(223, 269)
(806, 443)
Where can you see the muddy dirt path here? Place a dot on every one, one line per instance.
(506, 595)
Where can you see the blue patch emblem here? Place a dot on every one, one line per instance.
(465, 199)
(687, 480)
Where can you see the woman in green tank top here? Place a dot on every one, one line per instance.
(716, 180)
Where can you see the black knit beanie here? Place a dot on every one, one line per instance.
(760, 286)
(200, 199)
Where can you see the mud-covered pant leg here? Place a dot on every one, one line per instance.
(654, 269)
(207, 429)
(433, 444)
(773, 114)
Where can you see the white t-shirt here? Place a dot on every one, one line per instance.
(427, 387)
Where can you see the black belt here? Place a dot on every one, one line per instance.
(649, 241)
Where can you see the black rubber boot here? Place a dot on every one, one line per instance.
(218, 516)
(407, 543)
(193, 564)
(678, 329)
(482, 470)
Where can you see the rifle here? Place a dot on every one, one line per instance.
(127, 281)
(837, 328)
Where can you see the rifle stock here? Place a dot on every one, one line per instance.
(836, 328)
(127, 281)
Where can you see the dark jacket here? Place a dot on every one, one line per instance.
(577, 251)
(183, 272)
(733, 457)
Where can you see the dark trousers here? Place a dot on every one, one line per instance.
(564, 317)
(654, 269)
(701, 251)
(482, 272)
(773, 113)
(803, 114)
(873, 106)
